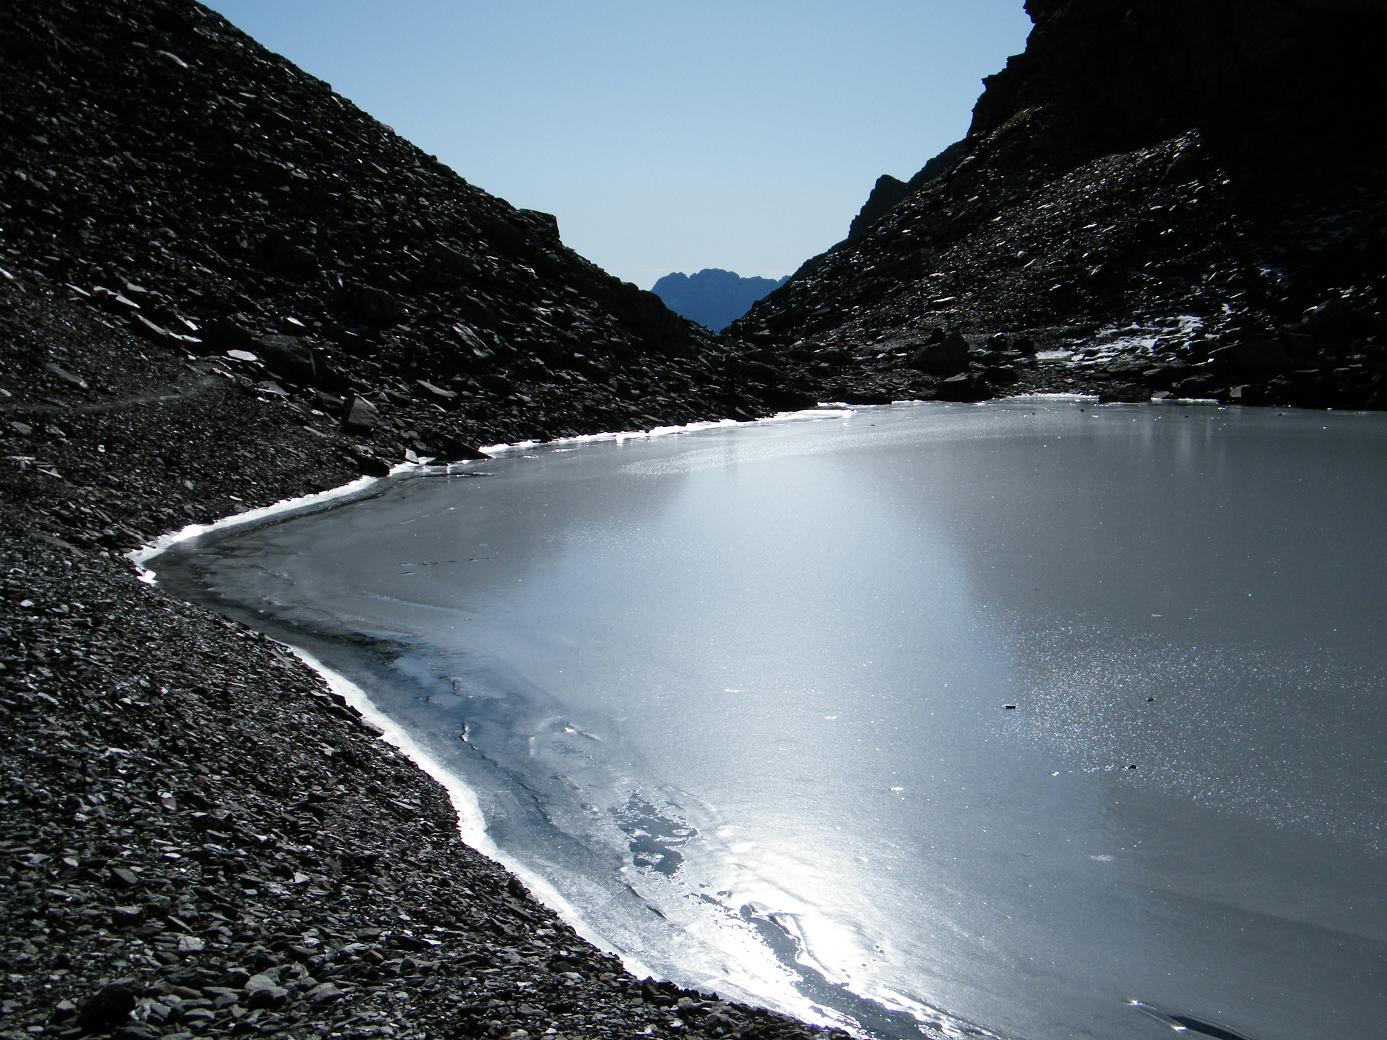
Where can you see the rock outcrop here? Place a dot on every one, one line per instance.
(713, 298)
(890, 190)
(1173, 193)
(886, 192)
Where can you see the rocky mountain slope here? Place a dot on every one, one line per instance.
(222, 285)
(167, 172)
(713, 298)
(1185, 197)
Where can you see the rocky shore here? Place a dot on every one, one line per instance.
(199, 838)
(221, 285)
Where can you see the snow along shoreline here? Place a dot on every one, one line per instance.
(471, 822)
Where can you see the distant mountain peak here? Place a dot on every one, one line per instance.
(713, 297)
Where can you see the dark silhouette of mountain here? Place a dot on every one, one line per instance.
(713, 297)
(1189, 192)
(885, 194)
(239, 193)
(889, 190)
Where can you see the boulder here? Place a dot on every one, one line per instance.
(1250, 394)
(1261, 355)
(372, 466)
(944, 357)
(287, 356)
(64, 376)
(545, 224)
(225, 334)
(1002, 375)
(285, 257)
(472, 341)
(450, 449)
(435, 393)
(361, 416)
(964, 387)
(263, 992)
(378, 307)
(1335, 321)
(107, 1008)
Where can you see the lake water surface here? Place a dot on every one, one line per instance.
(972, 720)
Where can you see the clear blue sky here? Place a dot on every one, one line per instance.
(664, 137)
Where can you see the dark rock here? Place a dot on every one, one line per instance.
(1336, 321)
(451, 449)
(436, 393)
(1225, 181)
(453, 260)
(328, 402)
(151, 330)
(1266, 355)
(124, 877)
(372, 466)
(964, 387)
(127, 915)
(64, 376)
(545, 224)
(108, 1008)
(885, 194)
(1195, 386)
(791, 399)
(377, 307)
(287, 257)
(361, 416)
(1248, 394)
(263, 992)
(943, 357)
(323, 993)
(1161, 377)
(287, 356)
(1002, 375)
(888, 190)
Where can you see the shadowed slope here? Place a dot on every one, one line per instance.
(1138, 162)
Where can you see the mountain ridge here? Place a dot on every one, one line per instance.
(1203, 172)
(713, 297)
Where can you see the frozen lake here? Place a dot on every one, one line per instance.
(925, 719)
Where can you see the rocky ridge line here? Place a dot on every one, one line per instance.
(1177, 198)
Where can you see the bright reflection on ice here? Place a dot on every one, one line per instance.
(1014, 710)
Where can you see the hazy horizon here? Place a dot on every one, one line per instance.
(663, 139)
